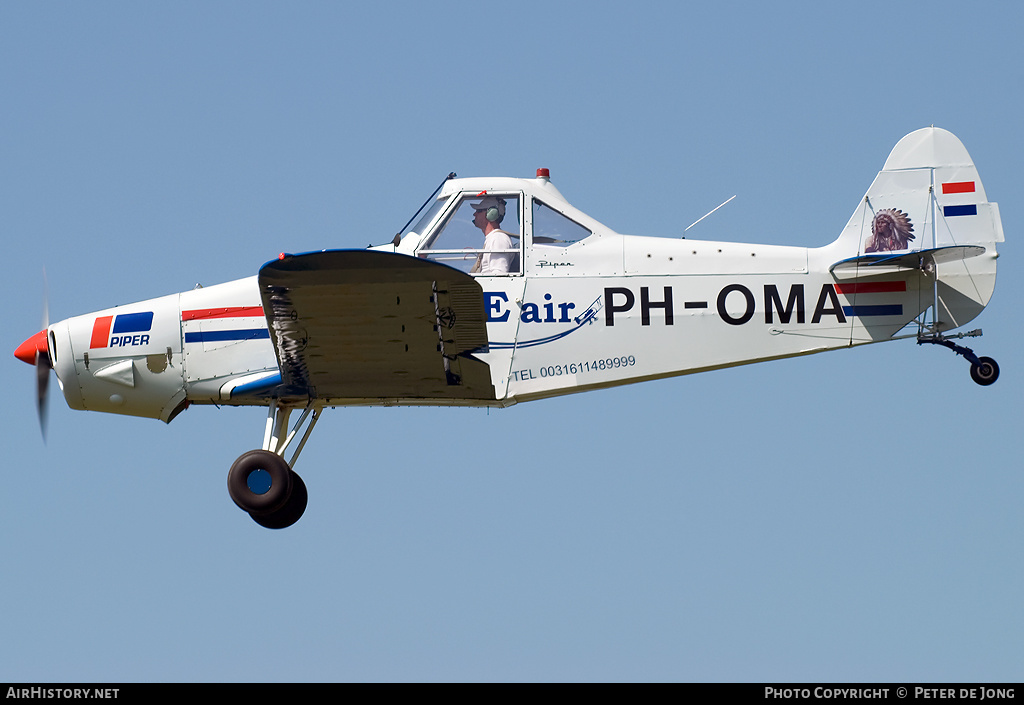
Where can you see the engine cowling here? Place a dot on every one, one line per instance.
(124, 360)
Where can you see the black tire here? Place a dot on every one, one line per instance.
(292, 510)
(985, 372)
(280, 481)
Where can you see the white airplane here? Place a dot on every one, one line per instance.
(503, 292)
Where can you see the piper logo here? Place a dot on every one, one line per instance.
(121, 331)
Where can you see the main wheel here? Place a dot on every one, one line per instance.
(260, 481)
(288, 514)
(985, 372)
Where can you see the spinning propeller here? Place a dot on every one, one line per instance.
(36, 351)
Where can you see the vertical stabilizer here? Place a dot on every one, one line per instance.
(929, 200)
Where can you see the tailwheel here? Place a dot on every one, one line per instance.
(985, 371)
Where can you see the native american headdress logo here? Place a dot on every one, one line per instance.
(890, 230)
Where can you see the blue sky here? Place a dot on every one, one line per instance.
(852, 516)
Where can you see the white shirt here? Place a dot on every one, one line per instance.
(499, 262)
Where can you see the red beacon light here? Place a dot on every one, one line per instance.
(543, 173)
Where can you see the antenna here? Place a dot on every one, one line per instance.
(708, 213)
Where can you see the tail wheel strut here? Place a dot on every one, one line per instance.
(984, 370)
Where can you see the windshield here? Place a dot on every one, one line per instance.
(420, 225)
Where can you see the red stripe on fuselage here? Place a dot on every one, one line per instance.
(871, 288)
(223, 312)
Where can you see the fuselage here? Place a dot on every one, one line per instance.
(604, 310)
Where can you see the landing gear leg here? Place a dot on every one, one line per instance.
(984, 370)
(262, 482)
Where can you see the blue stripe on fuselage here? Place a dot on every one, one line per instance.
(217, 336)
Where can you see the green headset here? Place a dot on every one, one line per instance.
(492, 214)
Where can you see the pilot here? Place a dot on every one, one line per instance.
(496, 257)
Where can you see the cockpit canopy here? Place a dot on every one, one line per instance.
(497, 227)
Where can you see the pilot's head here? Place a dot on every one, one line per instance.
(490, 209)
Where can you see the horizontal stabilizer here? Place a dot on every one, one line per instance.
(921, 259)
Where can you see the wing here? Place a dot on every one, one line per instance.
(351, 325)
